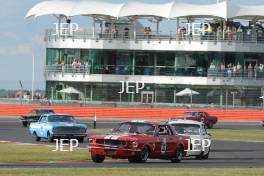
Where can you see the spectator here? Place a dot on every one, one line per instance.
(126, 32)
(212, 65)
(87, 67)
(239, 33)
(250, 70)
(229, 34)
(74, 66)
(239, 69)
(219, 33)
(249, 34)
(115, 32)
(256, 69)
(62, 66)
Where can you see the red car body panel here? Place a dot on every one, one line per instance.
(200, 116)
(120, 145)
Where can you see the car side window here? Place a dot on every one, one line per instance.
(44, 119)
(164, 131)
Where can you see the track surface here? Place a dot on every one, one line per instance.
(224, 153)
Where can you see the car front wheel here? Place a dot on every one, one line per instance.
(80, 139)
(36, 137)
(179, 155)
(144, 155)
(50, 137)
(210, 125)
(199, 157)
(206, 156)
(142, 158)
(24, 124)
(97, 158)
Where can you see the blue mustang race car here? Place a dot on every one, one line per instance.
(51, 126)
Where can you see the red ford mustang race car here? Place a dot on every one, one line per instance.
(137, 141)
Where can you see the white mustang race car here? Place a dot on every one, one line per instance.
(200, 140)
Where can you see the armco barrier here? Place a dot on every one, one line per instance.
(133, 113)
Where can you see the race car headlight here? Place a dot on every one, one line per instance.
(134, 144)
(91, 141)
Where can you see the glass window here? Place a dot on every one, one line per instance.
(190, 129)
(44, 119)
(61, 118)
(135, 128)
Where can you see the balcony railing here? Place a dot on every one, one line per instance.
(158, 36)
(244, 74)
(155, 71)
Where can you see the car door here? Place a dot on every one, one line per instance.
(165, 141)
(41, 126)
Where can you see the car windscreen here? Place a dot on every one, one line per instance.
(190, 129)
(61, 118)
(135, 128)
(44, 111)
(191, 113)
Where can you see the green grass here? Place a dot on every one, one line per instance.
(26, 153)
(241, 135)
(132, 172)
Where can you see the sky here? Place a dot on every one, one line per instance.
(22, 38)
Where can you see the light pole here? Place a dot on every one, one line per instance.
(33, 77)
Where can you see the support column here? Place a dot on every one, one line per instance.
(155, 64)
(224, 27)
(133, 63)
(175, 64)
(254, 32)
(101, 26)
(155, 94)
(174, 96)
(221, 98)
(157, 27)
(226, 98)
(59, 25)
(91, 93)
(177, 26)
(52, 93)
(84, 96)
(135, 29)
(93, 27)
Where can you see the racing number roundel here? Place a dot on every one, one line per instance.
(163, 146)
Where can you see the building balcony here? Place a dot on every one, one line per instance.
(155, 75)
(163, 41)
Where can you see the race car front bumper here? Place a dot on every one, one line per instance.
(69, 135)
(114, 152)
